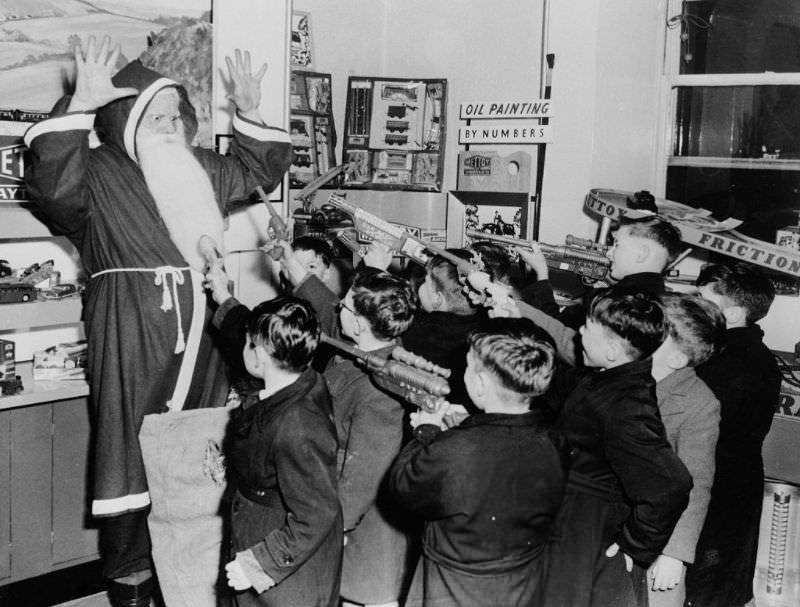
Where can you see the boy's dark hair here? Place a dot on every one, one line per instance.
(495, 260)
(386, 301)
(695, 324)
(634, 317)
(743, 284)
(513, 351)
(288, 329)
(319, 247)
(658, 230)
(445, 279)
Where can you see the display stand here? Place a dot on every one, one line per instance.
(394, 134)
(311, 127)
(490, 182)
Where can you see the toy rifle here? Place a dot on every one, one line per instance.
(372, 227)
(305, 195)
(411, 377)
(421, 251)
(581, 256)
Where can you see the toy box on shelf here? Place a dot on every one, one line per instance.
(394, 133)
(311, 127)
(66, 361)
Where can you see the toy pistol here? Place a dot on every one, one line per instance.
(411, 377)
(581, 256)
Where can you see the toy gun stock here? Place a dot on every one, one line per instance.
(374, 228)
(581, 256)
(406, 375)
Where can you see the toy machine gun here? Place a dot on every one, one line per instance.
(580, 256)
(411, 377)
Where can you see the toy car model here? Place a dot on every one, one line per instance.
(17, 292)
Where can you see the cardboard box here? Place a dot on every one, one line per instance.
(66, 361)
(7, 365)
(789, 237)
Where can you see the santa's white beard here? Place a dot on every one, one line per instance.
(183, 194)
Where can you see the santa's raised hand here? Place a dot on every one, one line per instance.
(246, 86)
(94, 68)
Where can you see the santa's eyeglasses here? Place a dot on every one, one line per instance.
(154, 121)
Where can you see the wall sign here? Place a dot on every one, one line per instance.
(476, 110)
(505, 133)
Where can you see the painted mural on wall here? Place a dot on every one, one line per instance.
(37, 39)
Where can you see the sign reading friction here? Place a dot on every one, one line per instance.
(698, 230)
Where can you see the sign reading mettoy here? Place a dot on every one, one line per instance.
(12, 161)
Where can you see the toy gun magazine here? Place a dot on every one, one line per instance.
(411, 377)
(581, 256)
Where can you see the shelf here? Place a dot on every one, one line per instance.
(22, 220)
(715, 162)
(42, 391)
(37, 314)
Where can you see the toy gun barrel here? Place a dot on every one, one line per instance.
(276, 222)
(320, 181)
(576, 252)
(411, 377)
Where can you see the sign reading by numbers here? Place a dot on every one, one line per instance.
(505, 133)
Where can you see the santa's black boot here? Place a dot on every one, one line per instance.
(131, 595)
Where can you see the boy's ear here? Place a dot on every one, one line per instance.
(261, 356)
(677, 360)
(326, 274)
(643, 252)
(480, 383)
(735, 316)
(358, 324)
(437, 298)
(614, 350)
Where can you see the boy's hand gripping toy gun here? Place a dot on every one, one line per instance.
(581, 256)
(276, 228)
(372, 227)
(411, 377)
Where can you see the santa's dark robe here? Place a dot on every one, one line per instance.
(145, 312)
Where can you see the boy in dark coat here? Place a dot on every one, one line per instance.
(488, 488)
(643, 249)
(626, 487)
(445, 319)
(745, 378)
(285, 520)
(375, 311)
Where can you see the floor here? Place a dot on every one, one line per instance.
(82, 586)
(789, 596)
